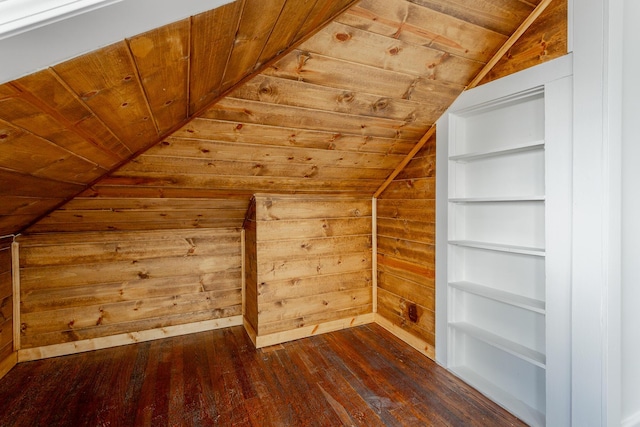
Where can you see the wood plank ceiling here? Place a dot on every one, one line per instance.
(178, 127)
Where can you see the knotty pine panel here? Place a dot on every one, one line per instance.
(406, 247)
(130, 212)
(87, 285)
(6, 300)
(313, 265)
(162, 60)
(267, 154)
(501, 16)
(300, 94)
(247, 133)
(84, 133)
(107, 81)
(258, 20)
(545, 40)
(257, 112)
(362, 47)
(290, 21)
(213, 38)
(251, 267)
(324, 70)
(423, 26)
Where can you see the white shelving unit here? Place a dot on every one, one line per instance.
(504, 229)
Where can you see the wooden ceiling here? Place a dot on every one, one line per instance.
(178, 127)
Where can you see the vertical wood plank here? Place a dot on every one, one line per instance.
(244, 271)
(212, 40)
(292, 16)
(107, 82)
(162, 60)
(374, 253)
(258, 20)
(15, 275)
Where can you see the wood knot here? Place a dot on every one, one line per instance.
(239, 126)
(4, 136)
(394, 50)
(346, 97)
(343, 37)
(266, 89)
(88, 95)
(381, 104)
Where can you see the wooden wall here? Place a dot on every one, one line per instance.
(406, 249)
(545, 40)
(83, 286)
(313, 259)
(6, 307)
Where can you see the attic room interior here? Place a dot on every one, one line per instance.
(307, 212)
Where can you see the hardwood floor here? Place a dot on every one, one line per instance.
(361, 376)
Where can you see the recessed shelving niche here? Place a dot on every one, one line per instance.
(502, 247)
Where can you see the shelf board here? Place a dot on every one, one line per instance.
(499, 247)
(507, 400)
(515, 300)
(525, 353)
(497, 199)
(519, 148)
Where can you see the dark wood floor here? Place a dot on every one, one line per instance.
(362, 376)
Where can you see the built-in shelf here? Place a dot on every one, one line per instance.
(516, 300)
(522, 410)
(497, 199)
(525, 353)
(469, 157)
(499, 247)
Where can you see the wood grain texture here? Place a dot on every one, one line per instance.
(546, 39)
(362, 376)
(162, 61)
(406, 247)
(107, 81)
(334, 108)
(212, 40)
(312, 261)
(258, 20)
(6, 302)
(90, 285)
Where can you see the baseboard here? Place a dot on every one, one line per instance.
(8, 363)
(25, 355)
(309, 331)
(632, 421)
(415, 342)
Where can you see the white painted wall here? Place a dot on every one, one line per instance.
(631, 218)
(59, 41)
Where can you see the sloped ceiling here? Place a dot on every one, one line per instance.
(334, 115)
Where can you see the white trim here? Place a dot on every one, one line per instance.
(596, 282)
(18, 16)
(60, 38)
(632, 421)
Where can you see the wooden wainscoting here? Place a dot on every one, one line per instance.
(81, 291)
(312, 256)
